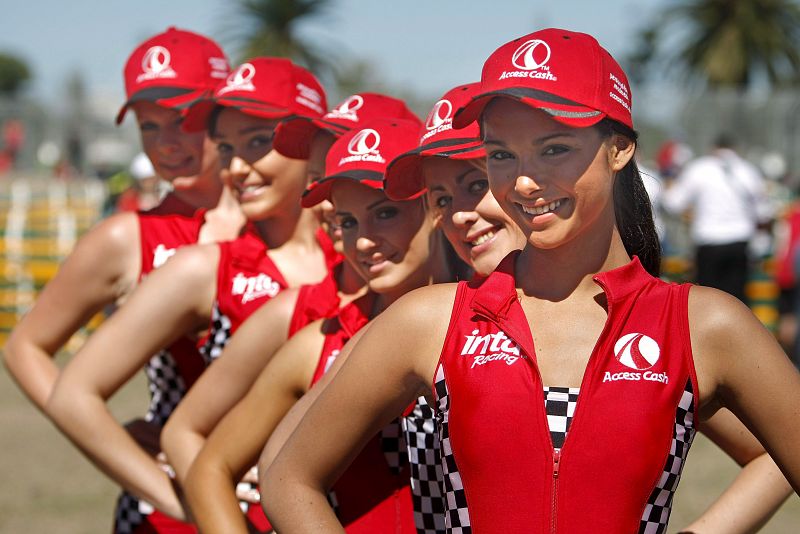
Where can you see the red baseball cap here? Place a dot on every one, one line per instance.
(362, 155)
(294, 134)
(438, 138)
(173, 69)
(266, 87)
(566, 74)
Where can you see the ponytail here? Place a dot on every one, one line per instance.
(632, 206)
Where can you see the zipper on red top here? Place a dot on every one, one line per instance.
(554, 500)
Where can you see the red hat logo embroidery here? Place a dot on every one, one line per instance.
(155, 64)
(364, 142)
(531, 55)
(349, 107)
(637, 351)
(439, 115)
(240, 79)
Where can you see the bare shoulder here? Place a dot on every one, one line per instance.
(118, 233)
(716, 317)
(725, 335)
(426, 306)
(194, 259)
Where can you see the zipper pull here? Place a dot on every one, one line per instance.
(556, 461)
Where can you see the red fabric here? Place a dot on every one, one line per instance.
(158, 523)
(785, 273)
(622, 430)
(161, 233)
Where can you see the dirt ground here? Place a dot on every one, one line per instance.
(48, 487)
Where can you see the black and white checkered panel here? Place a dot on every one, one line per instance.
(421, 431)
(166, 386)
(130, 513)
(393, 445)
(659, 505)
(559, 403)
(455, 500)
(218, 335)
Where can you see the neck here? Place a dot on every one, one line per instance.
(204, 193)
(557, 273)
(297, 226)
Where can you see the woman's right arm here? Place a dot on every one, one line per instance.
(391, 366)
(103, 267)
(224, 384)
(233, 446)
(173, 300)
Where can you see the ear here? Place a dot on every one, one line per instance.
(621, 152)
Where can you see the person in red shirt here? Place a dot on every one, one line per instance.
(569, 383)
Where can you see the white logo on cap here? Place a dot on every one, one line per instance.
(439, 119)
(524, 58)
(364, 147)
(156, 64)
(309, 97)
(439, 115)
(240, 79)
(347, 109)
(364, 142)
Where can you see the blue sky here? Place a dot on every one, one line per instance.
(425, 45)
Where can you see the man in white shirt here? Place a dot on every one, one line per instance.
(726, 198)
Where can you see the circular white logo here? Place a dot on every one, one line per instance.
(525, 57)
(440, 114)
(637, 351)
(350, 105)
(156, 60)
(364, 142)
(242, 75)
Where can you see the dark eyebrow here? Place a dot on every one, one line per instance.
(460, 178)
(374, 204)
(538, 141)
(256, 128)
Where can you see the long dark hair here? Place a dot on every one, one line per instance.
(632, 206)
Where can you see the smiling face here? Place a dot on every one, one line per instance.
(264, 182)
(555, 181)
(178, 157)
(481, 233)
(388, 242)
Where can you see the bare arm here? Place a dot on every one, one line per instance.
(103, 267)
(290, 421)
(173, 300)
(740, 366)
(390, 367)
(756, 493)
(234, 444)
(224, 383)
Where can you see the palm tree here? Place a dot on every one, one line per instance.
(269, 28)
(725, 43)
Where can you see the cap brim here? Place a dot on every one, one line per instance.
(197, 116)
(170, 97)
(564, 111)
(294, 135)
(320, 190)
(404, 178)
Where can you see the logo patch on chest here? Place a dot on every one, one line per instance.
(493, 347)
(639, 353)
(254, 287)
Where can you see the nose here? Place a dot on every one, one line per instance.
(464, 218)
(365, 244)
(169, 140)
(238, 168)
(526, 185)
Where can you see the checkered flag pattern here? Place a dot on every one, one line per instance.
(421, 434)
(455, 499)
(166, 386)
(560, 405)
(659, 505)
(129, 514)
(393, 445)
(218, 335)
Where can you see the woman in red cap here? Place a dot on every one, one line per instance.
(163, 75)
(224, 384)
(393, 245)
(208, 288)
(570, 382)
